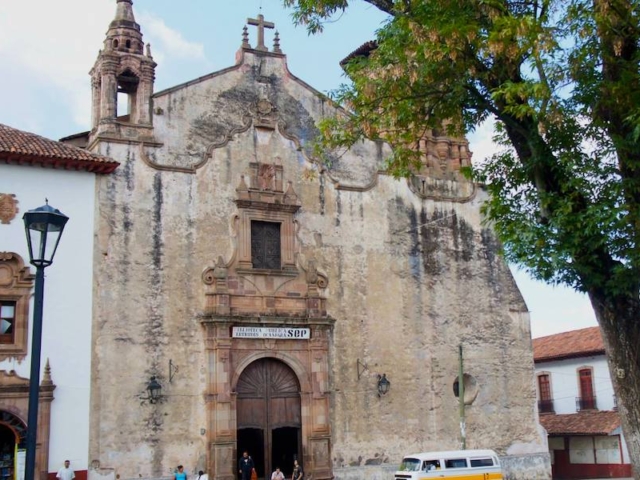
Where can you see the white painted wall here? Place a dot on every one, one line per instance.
(66, 336)
(564, 382)
(565, 387)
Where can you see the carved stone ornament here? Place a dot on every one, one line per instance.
(265, 113)
(264, 106)
(8, 207)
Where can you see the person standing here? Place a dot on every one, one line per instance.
(277, 475)
(66, 472)
(180, 474)
(298, 474)
(246, 466)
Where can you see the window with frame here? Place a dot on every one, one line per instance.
(545, 402)
(587, 399)
(481, 462)
(265, 245)
(456, 463)
(265, 223)
(7, 321)
(16, 285)
(544, 387)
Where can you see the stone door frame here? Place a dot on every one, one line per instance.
(14, 399)
(227, 358)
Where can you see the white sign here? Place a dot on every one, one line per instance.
(271, 332)
(20, 464)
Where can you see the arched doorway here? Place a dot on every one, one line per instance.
(13, 435)
(269, 416)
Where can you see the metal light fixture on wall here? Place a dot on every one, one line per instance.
(43, 227)
(154, 390)
(383, 385)
(173, 369)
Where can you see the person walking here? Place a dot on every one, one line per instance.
(298, 474)
(245, 466)
(180, 474)
(66, 472)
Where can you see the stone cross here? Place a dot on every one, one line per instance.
(261, 24)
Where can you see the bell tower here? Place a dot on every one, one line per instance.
(122, 79)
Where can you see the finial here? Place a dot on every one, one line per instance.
(124, 12)
(243, 185)
(276, 43)
(245, 37)
(46, 379)
(149, 50)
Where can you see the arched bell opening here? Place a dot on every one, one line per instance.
(127, 96)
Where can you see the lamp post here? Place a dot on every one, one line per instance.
(43, 226)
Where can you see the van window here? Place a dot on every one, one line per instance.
(481, 462)
(456, 463)
(410, 465)
(431, 465)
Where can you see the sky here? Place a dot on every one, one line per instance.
(47, 48)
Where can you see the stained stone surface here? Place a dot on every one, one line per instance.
(410, 278)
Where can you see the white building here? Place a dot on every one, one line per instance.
(577, 406)
(33, 169)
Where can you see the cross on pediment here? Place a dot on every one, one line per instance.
(261, 24)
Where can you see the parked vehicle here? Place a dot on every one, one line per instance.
(456, 464)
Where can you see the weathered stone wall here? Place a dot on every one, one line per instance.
(409, 280)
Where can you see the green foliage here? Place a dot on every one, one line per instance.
(561, 80)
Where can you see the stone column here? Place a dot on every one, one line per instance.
(220, 403)
(144, 94)
(108, 92)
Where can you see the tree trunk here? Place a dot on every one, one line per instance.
(619, 319)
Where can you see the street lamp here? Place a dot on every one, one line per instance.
(43, 227)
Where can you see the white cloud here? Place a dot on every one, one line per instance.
(171, 42)
(481, 141)
(51, 52)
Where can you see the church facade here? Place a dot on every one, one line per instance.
(250, 297)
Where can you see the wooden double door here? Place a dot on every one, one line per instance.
(269, 416)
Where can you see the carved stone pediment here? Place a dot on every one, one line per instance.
(10, 379)
(280, 284)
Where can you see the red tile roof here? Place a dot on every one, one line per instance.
(363, 50)
(19, 147)
(587, 422)
(576, 343)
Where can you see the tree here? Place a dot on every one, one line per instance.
(561, 79)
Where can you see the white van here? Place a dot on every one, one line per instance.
(456, 464)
